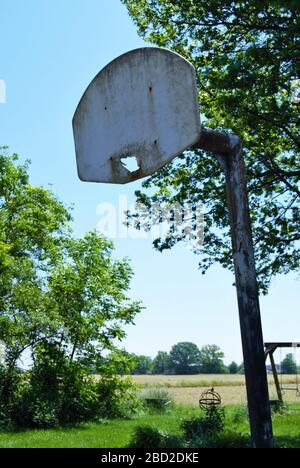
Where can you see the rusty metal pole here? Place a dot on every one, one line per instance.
(228, 150)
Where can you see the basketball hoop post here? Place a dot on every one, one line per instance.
(228, 150)
(145, 104)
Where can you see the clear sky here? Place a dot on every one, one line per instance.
(49, 52)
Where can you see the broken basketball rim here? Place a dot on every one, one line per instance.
(144, 106)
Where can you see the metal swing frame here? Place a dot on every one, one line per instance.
(270, 348)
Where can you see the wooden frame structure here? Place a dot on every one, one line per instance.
(270, 348)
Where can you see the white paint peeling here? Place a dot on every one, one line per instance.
(144, 103)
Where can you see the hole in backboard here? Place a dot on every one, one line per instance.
(130, 163)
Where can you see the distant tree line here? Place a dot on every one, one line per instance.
(186, 358)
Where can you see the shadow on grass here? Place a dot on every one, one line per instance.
(64, 428)
(287, 441)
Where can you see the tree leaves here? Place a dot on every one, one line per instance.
(89, 290)
(246, 59)
(54, 288)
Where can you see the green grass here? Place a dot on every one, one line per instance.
(118, 433)
(106, 434)
(286, 425)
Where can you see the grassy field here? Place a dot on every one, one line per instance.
(118, 433)
(107, 434)
(186, 389)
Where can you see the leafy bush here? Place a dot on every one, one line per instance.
(209, 424)
(149, 437)
(10, 382)
(42, 414)
(117, 397)
(206, 431)
(157, 398)
(239, 414)
(159, 393)
(209, 431)
(278, 408)
(57, 392)
(5, 419)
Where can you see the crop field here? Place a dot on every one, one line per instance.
(186, 389)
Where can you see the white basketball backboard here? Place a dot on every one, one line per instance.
(144, 105)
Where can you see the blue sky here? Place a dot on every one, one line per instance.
(49, 52)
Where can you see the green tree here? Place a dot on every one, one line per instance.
(185, 358)
(63, 299)
(288, 365)
(211, 360)
(161, 363)
(33, 230)
(118, 362)
(88, 290)
(246, 60)
(233, 368)
(143, 364)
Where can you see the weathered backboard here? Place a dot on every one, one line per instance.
(144, 105)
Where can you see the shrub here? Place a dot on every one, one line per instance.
(209, 431)
(205, 431)
(157, 398)
(117, 397)
(239, 414)
(149, 437)
(279, 408)
(42, 415)
(57, 391)
(200, 427)
(10, 382)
